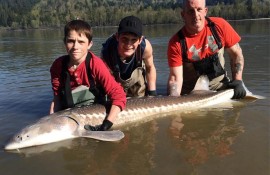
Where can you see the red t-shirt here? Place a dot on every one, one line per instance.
(101, 76)
(201, 45)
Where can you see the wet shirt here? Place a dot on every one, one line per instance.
(203, 44)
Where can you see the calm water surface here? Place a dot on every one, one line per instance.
(229, 141)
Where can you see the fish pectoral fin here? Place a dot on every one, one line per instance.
(254, 97)
(114, 135)
(250, 95)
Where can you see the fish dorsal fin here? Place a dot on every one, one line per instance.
(202, 83)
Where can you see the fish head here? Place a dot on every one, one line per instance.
(46, 130)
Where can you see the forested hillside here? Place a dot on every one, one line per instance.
(54, 13)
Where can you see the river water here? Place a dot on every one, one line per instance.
(222, 140)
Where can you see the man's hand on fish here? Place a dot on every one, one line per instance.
(239, 90)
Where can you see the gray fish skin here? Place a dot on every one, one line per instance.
(68, 124)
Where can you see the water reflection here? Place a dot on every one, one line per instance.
(251, 27)
(209, 134)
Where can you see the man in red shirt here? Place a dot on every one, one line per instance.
(198, 49)
(81, 78)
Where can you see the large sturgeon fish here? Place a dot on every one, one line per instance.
(68, 124)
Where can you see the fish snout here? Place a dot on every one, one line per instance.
(13, 142)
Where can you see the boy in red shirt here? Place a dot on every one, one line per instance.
(81, 78)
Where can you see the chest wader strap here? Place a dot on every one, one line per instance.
(212, 27)
(93, 88)
(139, 58)
(66, 93)
(139, 53)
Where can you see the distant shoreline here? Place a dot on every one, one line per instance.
(248, 19)
(52, 28)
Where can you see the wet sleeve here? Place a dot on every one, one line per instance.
(112, 88)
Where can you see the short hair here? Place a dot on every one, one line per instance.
(80, 27)
(185, 2)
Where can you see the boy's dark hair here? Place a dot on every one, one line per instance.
(80, 27)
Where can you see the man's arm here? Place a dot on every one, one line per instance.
(150, 67)
(236, 61)
(237, 66)
(175, 81)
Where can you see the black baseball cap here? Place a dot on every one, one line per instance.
(130, 24)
